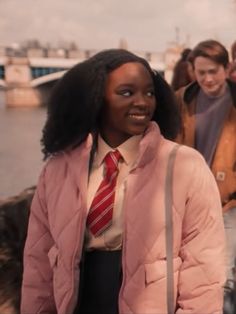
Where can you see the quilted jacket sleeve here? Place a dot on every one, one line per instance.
(37, 291)
(202, 251)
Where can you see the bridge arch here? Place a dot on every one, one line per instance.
(47, 78)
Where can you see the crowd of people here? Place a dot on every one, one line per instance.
(135, 208)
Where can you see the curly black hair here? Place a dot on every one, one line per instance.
(78, 97)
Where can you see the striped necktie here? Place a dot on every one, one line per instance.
(100, 214)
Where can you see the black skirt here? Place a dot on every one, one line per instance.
(100, 281)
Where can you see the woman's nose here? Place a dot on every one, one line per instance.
(141, 100)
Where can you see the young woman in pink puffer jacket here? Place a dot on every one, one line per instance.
(115, 102)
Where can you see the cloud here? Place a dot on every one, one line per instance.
(146, 25)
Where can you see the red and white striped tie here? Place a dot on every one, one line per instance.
(101, 210)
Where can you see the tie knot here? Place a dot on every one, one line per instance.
(112, 159)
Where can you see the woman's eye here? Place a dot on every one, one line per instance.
(126, 93)
(150, 93)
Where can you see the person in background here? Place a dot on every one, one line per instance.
(233, 51)
(96, 240)
(232, 66)
(208, 109)
(232, 71)
(183, 72)
(14, 213)
(10, 266)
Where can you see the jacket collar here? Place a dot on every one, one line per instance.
(191, 91)
(78, 159)
(147, 148)
(149, 144)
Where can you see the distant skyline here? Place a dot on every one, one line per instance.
(100, 24)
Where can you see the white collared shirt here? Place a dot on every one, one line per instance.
(111, 239)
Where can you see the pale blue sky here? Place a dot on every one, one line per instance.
(99, 24)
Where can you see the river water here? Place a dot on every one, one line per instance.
(20, 150)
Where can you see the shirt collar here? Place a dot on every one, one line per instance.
(129, 150)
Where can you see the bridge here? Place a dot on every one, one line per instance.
(22, 77)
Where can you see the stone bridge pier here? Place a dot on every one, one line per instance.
(19, 92)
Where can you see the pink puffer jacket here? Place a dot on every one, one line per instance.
(57, 224)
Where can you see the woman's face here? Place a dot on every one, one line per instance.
(129, 103)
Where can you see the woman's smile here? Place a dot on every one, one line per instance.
(140, 117)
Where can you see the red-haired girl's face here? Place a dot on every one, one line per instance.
(129, 103)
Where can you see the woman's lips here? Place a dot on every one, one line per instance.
(139, 116)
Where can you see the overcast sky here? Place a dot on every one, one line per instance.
(99, 24)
